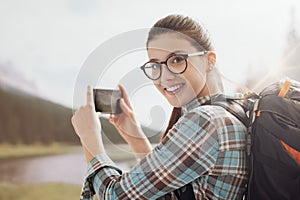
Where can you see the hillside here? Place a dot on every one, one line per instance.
(29, 119)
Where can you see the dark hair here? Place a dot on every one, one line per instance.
(186, 26)
(197, 34)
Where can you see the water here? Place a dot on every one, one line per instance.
(66, 168)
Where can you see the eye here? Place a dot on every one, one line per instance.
(177, 59)
(155, 66)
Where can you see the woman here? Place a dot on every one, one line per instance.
(203, 148)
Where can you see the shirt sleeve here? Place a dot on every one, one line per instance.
(189, 150)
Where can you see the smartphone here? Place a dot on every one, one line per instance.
(107, 100)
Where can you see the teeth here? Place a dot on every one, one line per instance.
(173, 88)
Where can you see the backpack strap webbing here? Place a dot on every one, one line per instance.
(231, 105)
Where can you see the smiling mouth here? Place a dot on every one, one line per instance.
(174, 88)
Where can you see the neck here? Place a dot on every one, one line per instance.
(204, 91)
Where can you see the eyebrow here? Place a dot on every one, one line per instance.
(173, 52)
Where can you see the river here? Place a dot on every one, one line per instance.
(65, 168)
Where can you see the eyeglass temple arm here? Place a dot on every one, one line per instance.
(200, 53)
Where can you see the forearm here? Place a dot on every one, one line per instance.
(147, 180)
(137, 140)
(101, 174)
(88, 155)
(93, 148)
(140, 146)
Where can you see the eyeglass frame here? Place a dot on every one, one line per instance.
(185, 56)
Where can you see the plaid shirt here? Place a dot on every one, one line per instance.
(205, 147)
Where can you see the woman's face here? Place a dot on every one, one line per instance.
(179, 89)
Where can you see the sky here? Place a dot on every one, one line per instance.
(50, 42)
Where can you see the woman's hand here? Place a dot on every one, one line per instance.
(87, 126)
(129, 128)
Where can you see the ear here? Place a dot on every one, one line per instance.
(211, 60)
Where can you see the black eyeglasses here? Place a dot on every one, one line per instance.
(176, 63)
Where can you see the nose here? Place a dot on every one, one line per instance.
(166, 74)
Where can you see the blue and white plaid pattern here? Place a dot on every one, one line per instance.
(205, 147)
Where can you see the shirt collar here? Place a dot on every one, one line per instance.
(196, 102)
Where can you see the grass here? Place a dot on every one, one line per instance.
(49, 191)
(21, 150)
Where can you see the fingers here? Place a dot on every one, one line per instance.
(90, 96)
(73, 121)
(112, 119)
(125, 96)
(125, 108)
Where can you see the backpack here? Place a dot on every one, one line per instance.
(274, 138)
(273, 141)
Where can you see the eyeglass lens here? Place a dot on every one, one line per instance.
(176, 64)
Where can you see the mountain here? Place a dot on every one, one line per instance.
(10, 78)
(25, 118)
(28, 119)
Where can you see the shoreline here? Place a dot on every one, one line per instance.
(117, 152)
(19, 151)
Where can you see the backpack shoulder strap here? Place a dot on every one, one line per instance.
(231, 104)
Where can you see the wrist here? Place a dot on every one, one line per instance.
(88, 155)
(93, 146)
(140, 146)
(134, 136)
